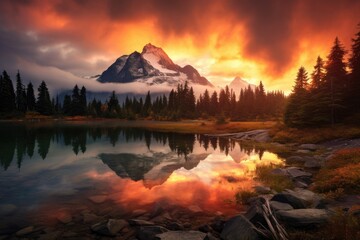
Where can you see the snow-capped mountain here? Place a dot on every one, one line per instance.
(151, 66)
(152, 170)
(238, 83)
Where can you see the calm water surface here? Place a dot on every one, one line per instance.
(49, 171)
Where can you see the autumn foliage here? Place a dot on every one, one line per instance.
(341, 173)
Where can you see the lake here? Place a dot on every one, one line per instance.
(49, 172)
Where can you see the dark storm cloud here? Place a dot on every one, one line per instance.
(41, 51)
(272, 29)
(269, 30)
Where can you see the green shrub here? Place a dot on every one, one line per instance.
(274, 181)
(243, 196)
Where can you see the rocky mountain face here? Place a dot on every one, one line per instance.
(151, 66)
(152, 170)
(238, 83)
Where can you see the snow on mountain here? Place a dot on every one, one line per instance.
(151, 66)
(159, 59)
(238, 83)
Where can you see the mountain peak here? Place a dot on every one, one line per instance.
(238, 79)
(238, 83)
(158, 58)
(150, 48)
(152, 65)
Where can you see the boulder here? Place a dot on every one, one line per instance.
(262, 137)
(205, 228)
(239, 228)
(98, 198)
(161, 218)
(175, 226)
(195, 209)
(181, 235)
(295, 159)
(299, 183)
(139, 222)
(218, 225)
(277, 206)
(150, 232)
(262, 189)
(138, 212)
(255, 215)
(300, 218)
(311, 147)
(309, 197)
(289, 198)
(109, 227)
(303, 151)
(64, 218)
(25, 231)
(209, 236)
(279, 171)
(90, 218)
(295, 172)
(313, 163)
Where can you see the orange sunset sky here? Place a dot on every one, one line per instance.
(264, 40)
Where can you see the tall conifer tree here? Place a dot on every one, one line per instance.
(30, 97)
(43, 103)
(20, 94)
(354, 83)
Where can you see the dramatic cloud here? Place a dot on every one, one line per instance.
(262, 40)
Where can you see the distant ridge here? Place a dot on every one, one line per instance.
(238, 84)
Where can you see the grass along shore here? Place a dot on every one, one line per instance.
(183, 126)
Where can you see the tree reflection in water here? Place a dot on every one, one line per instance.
(25, 139)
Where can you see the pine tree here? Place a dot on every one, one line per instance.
(147, 105)
(214, 104)
(232, 105)
(67, 105)
(83, 102)
(335, 81)
(7, 94)
(190, 108)
(171, 105)
(294, 113)
(317, 100)
(260, 96)
(57, 106)
(43, 103)
(354, 83)
(206, 102)
(2, 94)
(30, 97)
(113, 104)
(75, 102)
(301, 82)
(223, 101)
(20, 94)
(317, 76)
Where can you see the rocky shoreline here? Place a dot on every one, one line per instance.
(266, 214)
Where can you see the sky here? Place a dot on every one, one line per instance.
(264, 40)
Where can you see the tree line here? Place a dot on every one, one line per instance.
(332, 92)
(14, 102)
(22, 99)
(39, 140)
(180, 103)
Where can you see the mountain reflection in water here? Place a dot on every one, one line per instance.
(55, 167)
